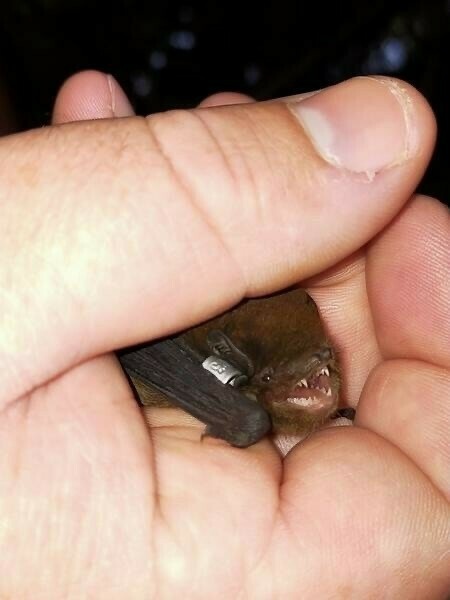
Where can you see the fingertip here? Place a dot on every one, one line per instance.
(90, 95)
(225, 98)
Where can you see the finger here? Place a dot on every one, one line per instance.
(90, 95)
(409, 284)
(225, 98)
(341, 296)
(128, 230)
(378, 502)
(407, 402)
(417, 242)
(85, 474)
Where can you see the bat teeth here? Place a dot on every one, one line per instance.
(328, 392)
(325, 371)
(302, 401)
(304, 383)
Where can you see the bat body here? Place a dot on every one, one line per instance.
(267, 356)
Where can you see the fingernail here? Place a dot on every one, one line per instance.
(363, 125)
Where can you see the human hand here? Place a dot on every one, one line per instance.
(120, 231)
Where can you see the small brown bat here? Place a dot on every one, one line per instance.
(267, 356)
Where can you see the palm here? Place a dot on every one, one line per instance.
(93, 493)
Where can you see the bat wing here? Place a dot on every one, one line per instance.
(172, 368)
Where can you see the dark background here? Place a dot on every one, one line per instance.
(173, 54)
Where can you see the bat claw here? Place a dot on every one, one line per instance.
(347, 413)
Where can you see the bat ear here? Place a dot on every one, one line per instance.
(221, 345)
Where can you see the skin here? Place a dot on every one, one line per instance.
(280, 345)
(145, 512)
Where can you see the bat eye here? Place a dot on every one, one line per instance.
(266, 375)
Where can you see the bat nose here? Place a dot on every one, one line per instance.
(309, 361)
(325, 354)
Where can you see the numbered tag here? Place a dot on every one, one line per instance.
(224, 372)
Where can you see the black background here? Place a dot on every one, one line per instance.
(173, 54)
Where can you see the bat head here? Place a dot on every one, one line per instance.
(280, 345)
(300, 391)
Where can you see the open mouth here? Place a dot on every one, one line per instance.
(313, 392)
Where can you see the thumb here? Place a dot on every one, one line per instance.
(119, 231)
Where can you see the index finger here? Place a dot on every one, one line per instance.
(120, 231)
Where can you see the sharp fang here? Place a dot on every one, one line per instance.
(326, 371)
(328, 392)
(304, 383)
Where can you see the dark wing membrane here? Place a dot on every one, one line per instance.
(171, 368)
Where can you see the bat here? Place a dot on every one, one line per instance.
(263, 366)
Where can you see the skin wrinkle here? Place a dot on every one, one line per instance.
(308, 175)
(206, 124)
(191, 194)
(218, 231)
(34, 386)
(164, 531)
(293, 541)
(157, 509)
(261, 561)
(283, 190)
(21, 449)
(206, 120)
(157, 504)
(313, 177)
(260, 204)
(260, 210)
(167, 538)
(289, 228)
(20, 443)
